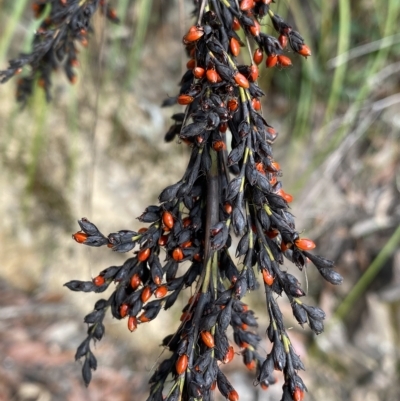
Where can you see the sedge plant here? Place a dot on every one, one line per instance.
(187, 242)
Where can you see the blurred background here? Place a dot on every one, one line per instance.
(97, 151)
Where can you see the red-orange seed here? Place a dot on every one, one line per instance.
(298, 394)
(229, 355)
(197, 257)
(272, 131)
(246, 5)
(234, 45)
(235, 24)
(195, 33)
(272, 233)
(207, 338)
(305, 51)
(273, 180)
(99, 281)
(233, 396)
(241, 80)
(80, 237)
(144, 254)
(271, 60)
(288, 198)
(161, 291)
(258, 56)
(305, 244)
(283, 40)
(186, 222)
(233, 104)
(267, 277)
(228, 208)
(276, 166)
(284, 61)
(146, 294)
(256, 104)
(212, 76)
(177, 254)
(123, 310)
(191, 64)
(185, 99)
(181, 364)
(223, 127)
(284, 246)
(199, 72)
(143, 318)
(132, 323)
(142, 230)
(168, 219)
(251, 365)
(255, 29)
(253, 73)
(260, 167)
(135, 281)
(162, 241)
(186, 244)
(219, 145)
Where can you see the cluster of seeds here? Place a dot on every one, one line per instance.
(64, 24)
(220, 193)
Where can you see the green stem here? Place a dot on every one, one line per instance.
(369, 275)
(343, 46)
(145, 7)
(12, 22)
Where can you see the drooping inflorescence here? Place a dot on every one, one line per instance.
(220, 194)
(64, 24)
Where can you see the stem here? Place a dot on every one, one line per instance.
(212, 202)
(373, 269)
(212, 217)
(201, 12)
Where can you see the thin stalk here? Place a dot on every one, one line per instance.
(343, 46)
(143, 19)
(72, 123)
(373, 269)
(40, 110)
(212, 202)
(214, 269)
(12, 22)
(376, 64)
